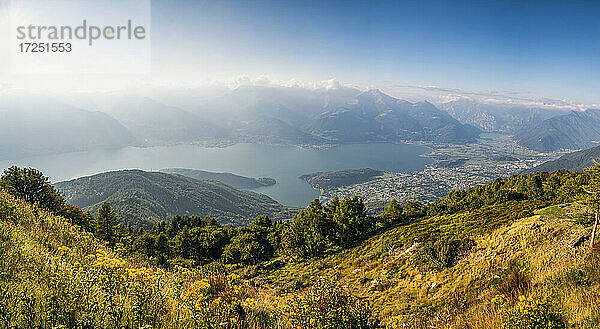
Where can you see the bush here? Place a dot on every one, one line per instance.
(219, 301)
(328, 305)
(512, 281)
(530, 313)
(443, 252)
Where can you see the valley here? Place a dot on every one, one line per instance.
(455, 167)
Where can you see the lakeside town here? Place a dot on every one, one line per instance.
(456, 167)
(426, 185)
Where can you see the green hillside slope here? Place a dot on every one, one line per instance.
(146, 197)
(514, 253)
(470, 270)
(574, 161)
(55, 275)
(335, 179)
(233, 180)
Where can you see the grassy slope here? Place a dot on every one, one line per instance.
(59, 282)
(36, 269)
(384, 271)
(54, 275)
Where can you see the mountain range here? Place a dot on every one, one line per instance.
(574, 161)
(575, 130)
(147, 197)
(274, 115)
(493, 117)
(375, 116)
(151, 121)
(253, 114)
(537, 128)
(37, 125)
(295, 115)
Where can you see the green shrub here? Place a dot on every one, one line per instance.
(574, 278)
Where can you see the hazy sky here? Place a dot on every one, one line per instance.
(545, 48)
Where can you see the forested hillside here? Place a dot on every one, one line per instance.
(145, 198)
(233, 180)
(333, 179)
(574, 161)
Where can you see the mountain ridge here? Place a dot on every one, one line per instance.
(145, 198)
(505, 118)
(233, 180)
(575, 130)
(375, 116)
(574, 161)
(37, 125)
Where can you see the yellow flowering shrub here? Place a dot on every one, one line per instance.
(395, 322)
(220, 301)
(328, 305)
(529, 313)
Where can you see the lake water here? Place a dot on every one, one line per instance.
(284, 163)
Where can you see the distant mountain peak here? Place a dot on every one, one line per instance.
(376, 96)
(574, 130)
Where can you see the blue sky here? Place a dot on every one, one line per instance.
(547, 48)
(538, 48)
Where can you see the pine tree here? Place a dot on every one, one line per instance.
(393, 213)
(107, 223)
(161, 246)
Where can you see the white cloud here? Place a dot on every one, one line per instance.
(508, 98)
(265, 81)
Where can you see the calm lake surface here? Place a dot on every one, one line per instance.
(284, 163)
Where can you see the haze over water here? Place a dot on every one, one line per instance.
(284, 163)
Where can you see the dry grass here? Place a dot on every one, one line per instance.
(47, 273)
(532, 256)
